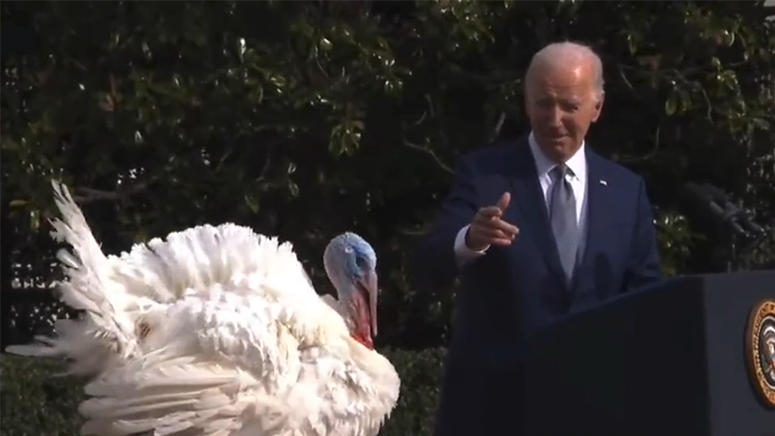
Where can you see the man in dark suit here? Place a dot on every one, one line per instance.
(534, 230)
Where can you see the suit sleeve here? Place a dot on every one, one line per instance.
(434, 262)
(643, 266)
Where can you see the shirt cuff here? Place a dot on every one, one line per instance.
(463, 254)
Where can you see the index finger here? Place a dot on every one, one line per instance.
(490, 211)
(505, 226)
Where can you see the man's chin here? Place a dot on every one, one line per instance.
(556, 147)
(557, 141)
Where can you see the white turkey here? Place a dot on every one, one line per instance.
(218, 331)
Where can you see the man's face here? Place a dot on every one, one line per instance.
(561, 103)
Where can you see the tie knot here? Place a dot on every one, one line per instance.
(560, 171)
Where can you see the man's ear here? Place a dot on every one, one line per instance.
(598, 106)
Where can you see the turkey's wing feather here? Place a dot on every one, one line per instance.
(245, 331)
(224, 369)
(178, 396)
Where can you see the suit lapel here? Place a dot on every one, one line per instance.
(598, 199)
(532, 205)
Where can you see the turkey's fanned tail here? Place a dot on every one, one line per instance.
(104, 330)
(74, 339)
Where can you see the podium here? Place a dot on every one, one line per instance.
(693, 356)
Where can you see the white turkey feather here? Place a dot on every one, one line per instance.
(215, 331)
(106, 331)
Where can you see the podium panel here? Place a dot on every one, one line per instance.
(694, 356)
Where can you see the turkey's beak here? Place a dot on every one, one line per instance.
(369, 284)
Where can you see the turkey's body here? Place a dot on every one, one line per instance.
(216, 331)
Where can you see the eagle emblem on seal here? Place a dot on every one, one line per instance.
(760, 351)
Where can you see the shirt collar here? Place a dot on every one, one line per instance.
(577, 163)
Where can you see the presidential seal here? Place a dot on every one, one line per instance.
(760, 351)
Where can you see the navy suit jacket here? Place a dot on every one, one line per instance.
(511, 291)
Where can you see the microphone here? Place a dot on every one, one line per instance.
(712, 212)
(703, 202)
(729, 207)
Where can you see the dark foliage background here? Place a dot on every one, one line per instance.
(304, 119)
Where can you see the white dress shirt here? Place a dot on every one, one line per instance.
(578, 180)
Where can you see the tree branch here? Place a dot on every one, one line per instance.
(647, 156)
(89, 195)
(430, 153)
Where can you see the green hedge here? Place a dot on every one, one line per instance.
(33, 402)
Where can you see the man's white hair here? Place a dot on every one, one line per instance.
(562, 53)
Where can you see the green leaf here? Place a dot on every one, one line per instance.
(293, 188)
(251, 202)
(671, 104)
(761, 123)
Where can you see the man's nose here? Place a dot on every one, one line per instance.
(555, 117)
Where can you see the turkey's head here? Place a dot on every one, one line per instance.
(351, 264)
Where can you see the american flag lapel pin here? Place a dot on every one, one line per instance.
(603, 182)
